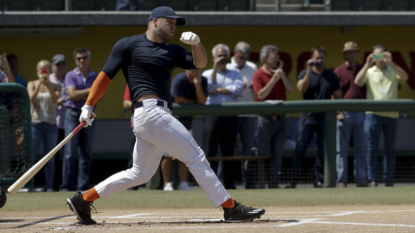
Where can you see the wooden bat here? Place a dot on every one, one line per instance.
(35, 168)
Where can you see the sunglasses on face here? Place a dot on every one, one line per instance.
(80, 58)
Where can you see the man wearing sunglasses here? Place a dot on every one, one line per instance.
(78, 84)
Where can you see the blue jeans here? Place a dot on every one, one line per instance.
(374, 125)
(271, 139)
(353, 125)
(49, 135)
(83, 139)
(306, 129)
(246, 130)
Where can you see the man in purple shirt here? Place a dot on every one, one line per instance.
(78, 84)
(350, 124)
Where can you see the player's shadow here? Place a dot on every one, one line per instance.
(44, 220)
(214, 221)
(11, 220)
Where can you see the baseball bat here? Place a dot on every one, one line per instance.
(35, 168)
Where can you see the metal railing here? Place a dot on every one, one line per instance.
(329, 107)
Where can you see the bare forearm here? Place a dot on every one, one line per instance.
(401, 72)
(52, 92)
(33, 94)
(201, 97)
(304, 83)
(360, 77)
(223, 90)
(10, 76)
(127, 104)
(199, 55)
(288, 85)
(80, 94)
(264, 92)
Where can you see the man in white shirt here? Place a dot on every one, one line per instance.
(246, 122)
(223, 86)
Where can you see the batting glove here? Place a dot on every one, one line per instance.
(190, 38)
(86, 115)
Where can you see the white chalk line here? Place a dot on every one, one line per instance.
(289, 224)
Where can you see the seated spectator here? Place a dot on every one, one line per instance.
(187, 88)
(6, 75)
(14, 66)
(381, 76)
(43, 107)
(224, 86)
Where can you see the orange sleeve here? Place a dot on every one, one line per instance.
(98, 88)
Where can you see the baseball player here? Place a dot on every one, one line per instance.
(147, 62)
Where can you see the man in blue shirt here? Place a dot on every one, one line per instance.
(14, 66)
(189, 87)
(224, 86)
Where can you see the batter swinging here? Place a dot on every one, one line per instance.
(147, 62)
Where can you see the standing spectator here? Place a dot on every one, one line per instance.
(271, 83)
(154, 182)
(43, 107)
(187, 88)
(350, 124)
(14, 66)
(246, 122)
(129, 5)
(316, 82)
(382, 82)
(58, 78)
(6, 74)
(224, 86)
(78, 84)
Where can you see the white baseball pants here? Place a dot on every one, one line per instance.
(156, 131)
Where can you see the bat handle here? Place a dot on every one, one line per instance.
(80, 126)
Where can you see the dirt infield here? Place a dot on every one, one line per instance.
(339, 218)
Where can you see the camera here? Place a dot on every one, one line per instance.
(225, 61)
(1, 61)
(378, 56)
(314, 64)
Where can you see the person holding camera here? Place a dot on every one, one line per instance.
(350, 125)
(315, 82)
(44, 97)
(224, 85)
(6, 74)
(381, 76)
(271, 83)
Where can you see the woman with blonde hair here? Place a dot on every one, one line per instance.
(43, 108)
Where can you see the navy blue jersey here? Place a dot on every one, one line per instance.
(147, 66)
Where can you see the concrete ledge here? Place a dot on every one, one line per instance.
(116, 18)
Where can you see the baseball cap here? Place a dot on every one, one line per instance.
(350, 46)
(165, 11)
(58, 58)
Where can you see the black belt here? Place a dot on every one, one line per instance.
(140, 104)
(75, 110)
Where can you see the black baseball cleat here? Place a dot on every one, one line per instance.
(241, 213)
(81, 208)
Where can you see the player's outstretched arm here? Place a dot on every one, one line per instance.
(198, 51)
(98, 89)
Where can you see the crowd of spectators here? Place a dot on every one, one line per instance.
(56, 98)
